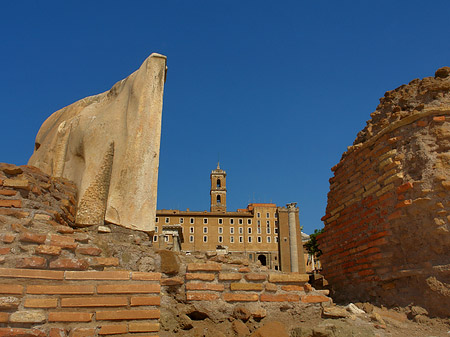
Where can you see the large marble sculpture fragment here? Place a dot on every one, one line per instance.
(108, 145)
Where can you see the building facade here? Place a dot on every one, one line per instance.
(262, 231)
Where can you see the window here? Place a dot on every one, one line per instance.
(259, 223)
(181, 220)
(267, 215)
(220, 239)
(157, 220)
(241, 239)
(205, 220)
(231, 239)
(268, 222)
(218, 199)
(166, 238)
(191, 220)
(205, 230)
(191, 229)
(220, 221)
(275, 215)
(156, 229)
(231, 230)
(269, 240)
(276, 230)
(259, 239)
(220, 230)
(167, 220)
(231, 221)
(191, 238)
(258, 215)
(250, 239)
(276, 239)
(249, 221)
(205, 238)
(249, 230)
(241, 230)
(155, 238)
(268, 230)
(241, 221)
(258, 230)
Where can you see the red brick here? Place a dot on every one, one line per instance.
(32, 237)
(395, 215)
(271, 287)
(127, 314)
(104, 262)
(200, 276)
(292, 288)
(94, 301)
(18, 332)
(280, 298)
(93, 251)
(172, 281)
(203, 267)
(30, 273)
(439, 118)
(205, 286)
(32, 262)
(10, 203)
(55, 316)
(246, 286)
(82, 332)
(8, 238)
(64, 229)
(128, 288)
(63, 241)
(18, 214)
(41, 303)
(69, 264)
(143, 327)
(255, 277)
(57, 332)
(5, 250)
(98, 275)
(15, 289)
(240, 297)
(244, 270)
(288, 278)
(68, 289)
(315, 299)
(113, 329)
(8, 193)
(230, 276)
(422, 123)
(48, 250)
(190, 296)
(143, 276)
(145, 300)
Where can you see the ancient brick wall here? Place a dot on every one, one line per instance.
(386, 233)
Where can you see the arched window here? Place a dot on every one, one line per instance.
(218, 183)
(218, 199)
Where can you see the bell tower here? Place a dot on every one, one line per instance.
(218, 190)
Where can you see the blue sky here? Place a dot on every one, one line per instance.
(276, 90)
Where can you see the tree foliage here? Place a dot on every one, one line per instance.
(312, 245)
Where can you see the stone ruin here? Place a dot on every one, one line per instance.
(386, 238)
(108, 145)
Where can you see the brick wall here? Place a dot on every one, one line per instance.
(233, 284)
(386, 220)
(78, 303)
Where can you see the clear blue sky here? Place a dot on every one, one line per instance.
(278, 90)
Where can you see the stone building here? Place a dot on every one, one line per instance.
(262, 231)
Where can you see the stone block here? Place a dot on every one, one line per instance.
(127, 315)
(28, 316)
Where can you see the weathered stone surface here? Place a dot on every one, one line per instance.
(271, 329)
(9, 303)
(108, 144)
(28, 317)
(240, 329)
